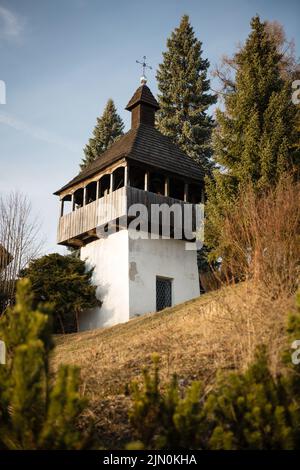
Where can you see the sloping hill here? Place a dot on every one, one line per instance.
(215, 331)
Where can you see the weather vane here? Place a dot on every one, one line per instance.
(144, 67)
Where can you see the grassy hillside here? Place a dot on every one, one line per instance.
(215, 331)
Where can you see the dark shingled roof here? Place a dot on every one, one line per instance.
(147, 145)
(142, 95)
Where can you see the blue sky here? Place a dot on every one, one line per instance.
(62, 59)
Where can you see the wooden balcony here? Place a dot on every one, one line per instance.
(79, 227)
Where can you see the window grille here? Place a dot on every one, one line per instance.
(163, 293)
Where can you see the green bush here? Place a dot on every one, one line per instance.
(65, 282)
(251, 410)
(165, 420)
(36, 411)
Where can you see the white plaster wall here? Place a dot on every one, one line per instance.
(166, 258)
(109, 256)
(125, 273)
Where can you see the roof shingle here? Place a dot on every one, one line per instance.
(146, 145)
(142, 95)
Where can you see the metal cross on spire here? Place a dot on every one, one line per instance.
(144, 67)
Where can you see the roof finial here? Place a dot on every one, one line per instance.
(144, 67)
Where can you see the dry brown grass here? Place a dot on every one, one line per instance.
(219, 330)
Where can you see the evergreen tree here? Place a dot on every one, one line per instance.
(64, 282)
(184, 94)
(108, 129)
(35, 411)
(256, 138)
(252, 410)
(165, 419)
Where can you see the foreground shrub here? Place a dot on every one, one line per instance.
(164, 420)
(35, 411)
(251, 410)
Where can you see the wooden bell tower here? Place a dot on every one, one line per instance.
(134, 275)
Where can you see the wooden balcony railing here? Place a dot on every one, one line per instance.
(86, 219)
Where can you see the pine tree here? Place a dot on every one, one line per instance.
(253, 410)
(165, 420)
(35, 412)
(184, 94)
(256, 137)
(108, 129)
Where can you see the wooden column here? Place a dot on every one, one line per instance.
(97, 189)
(111, 184)
(167, 186)
(72, 202)
(62, 208)
(186, 192)
(147, 181)
(84, 196)
(126, 175)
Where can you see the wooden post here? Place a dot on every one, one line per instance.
(84, 196)
(97, 189)
(147, 181)
(126, 175)
(186, 192)
(167, 186)
(111, 184)
(73, 202)
(62, 208)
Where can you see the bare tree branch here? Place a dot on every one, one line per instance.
(20, 242)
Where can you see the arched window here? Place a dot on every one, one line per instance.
(118, 179)
(157, 183)
(91, 191)
(78, 198)
(137, 177)
(66, 204)
(104, 185)
(176, 188)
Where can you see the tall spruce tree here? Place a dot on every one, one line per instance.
(184, 96)
(256, 138)
(108, 129)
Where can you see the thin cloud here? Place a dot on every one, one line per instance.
(11, 26)
(36, 132)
